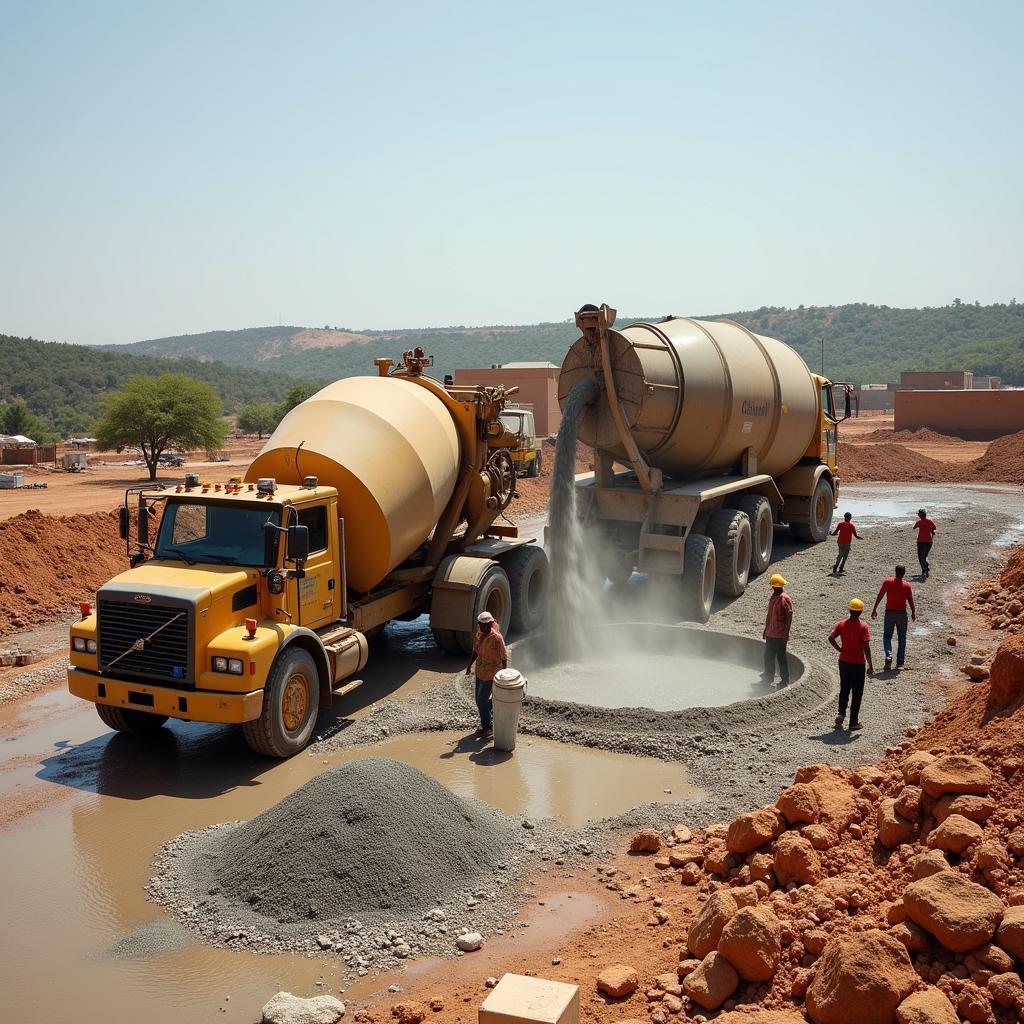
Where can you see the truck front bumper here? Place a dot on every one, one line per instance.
(188, 705)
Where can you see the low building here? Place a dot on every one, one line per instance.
(537, 383)
(936, 380)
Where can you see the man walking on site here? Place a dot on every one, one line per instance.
(776, 633)
(854, 647)
(846, 531)
(925, 534)
(489, 655)
(898, 594)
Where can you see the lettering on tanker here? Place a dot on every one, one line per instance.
(749, 408)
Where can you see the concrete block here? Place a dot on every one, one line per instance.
(517, 999)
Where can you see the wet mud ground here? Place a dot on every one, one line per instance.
(85, 811)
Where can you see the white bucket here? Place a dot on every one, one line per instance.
(507, 692)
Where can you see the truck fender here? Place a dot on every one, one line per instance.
(454, 590)
(309, 641)
(798, 485)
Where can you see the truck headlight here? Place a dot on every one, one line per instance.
(90, 646)
(233, 666)
(78, 643)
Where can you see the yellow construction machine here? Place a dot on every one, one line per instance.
(379, 498)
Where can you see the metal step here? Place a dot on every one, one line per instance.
(347, 688)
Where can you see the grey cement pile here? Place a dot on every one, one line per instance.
(372, 859)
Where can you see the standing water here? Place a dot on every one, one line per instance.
(575, 603)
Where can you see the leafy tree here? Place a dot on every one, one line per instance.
(17, 418)
(296, 395)
(257, 418)
(155, 413)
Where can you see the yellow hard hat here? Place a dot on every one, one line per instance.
(777, 581)
(856, 605)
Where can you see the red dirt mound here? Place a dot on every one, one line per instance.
(1003, 461)
(919, 435)
(894, 463)
(50, 563)
(534, 492)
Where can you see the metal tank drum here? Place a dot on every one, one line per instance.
(390, 448)
(696, 394)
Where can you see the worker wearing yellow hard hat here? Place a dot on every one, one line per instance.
(777, 623)
(852, 639)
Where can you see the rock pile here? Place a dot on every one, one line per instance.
(891, 893)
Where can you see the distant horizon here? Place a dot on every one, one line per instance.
(621, 318)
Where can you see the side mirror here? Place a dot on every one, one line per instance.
(298, 543)
(122, 522)
(269, 545)
(847, 416)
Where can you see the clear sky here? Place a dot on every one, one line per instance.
(171, 168)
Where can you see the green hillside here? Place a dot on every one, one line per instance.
(863, 343)
(66, 384)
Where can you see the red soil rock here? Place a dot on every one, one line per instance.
(48, 564)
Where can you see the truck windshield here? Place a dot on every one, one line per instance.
(512, 421)
(193, 531)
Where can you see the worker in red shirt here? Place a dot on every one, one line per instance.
(854, 653)
(776, 633)
(898, 594)
(846, 531)
(925, 533)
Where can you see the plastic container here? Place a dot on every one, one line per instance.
(507, 692)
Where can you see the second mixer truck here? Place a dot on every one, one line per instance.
(705, 437)
(379, 498)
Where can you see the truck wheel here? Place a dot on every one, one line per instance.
(762, 530)
(823, 503)
(730, 532)
(126, 720)
(447, 640)
(535, 466)
(494, 595)
(698, 577)
(290, 700)
(529, 575)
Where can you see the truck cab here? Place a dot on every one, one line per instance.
(236, 576)
(526, 454)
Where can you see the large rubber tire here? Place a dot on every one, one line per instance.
(127, 720)
(762, 530)
(290, 701)
(529, 577)
(729, 529)
(447, 640)
(494, 595)
(823, 503)
(534, 469)
(698, 582)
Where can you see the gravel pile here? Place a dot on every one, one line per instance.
(373, 859)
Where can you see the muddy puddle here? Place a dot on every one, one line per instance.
(95, 806)
(889, 510)
(661, 683)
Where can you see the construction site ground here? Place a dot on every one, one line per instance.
(85, 812)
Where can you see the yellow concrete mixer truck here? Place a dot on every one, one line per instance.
(379, 498)
(706, 436)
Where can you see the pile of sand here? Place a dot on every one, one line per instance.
(50, 563)
(372, 837)
(922, 434)
(535, 492)
(1003, 462)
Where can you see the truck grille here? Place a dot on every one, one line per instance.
(164, 658)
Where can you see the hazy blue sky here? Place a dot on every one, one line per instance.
(181, 167)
